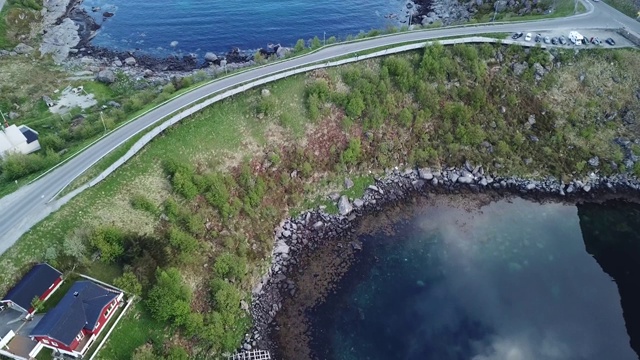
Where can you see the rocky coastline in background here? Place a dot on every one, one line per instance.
(312, 231)
(67, 30)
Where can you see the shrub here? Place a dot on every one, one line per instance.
(109, 241)
(167, 297)
(15, 165)
(300, 45)
(352, 154)
(230, 266)
(178, 353)
(405, 118)
(184, 243)
(141, 202)
(307, 169)
(183, 185)
(356, 106)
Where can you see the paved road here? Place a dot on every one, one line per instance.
(30, 204)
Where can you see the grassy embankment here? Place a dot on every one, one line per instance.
(200, 202)
(630, 8)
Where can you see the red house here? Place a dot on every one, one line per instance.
(73, 325)
(41, 281)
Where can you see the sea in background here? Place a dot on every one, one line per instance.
(199, 26)
(512, 280)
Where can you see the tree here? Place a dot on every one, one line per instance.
(167, 297)
(316, 43)
(37, 304)
(300, 45)
(109, 241)
(129, 282)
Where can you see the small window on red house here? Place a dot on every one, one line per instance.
(97, 324)
(80, 336)
(106, 313)
(54, 343)
(45, 341)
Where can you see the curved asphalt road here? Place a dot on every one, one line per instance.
(24, 208)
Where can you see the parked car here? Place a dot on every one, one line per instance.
(554, 40)
(595, 41)
(547, 40)
(538, 37)
(610, 41)
(527, 37)
(563, 40)
(585, 41)
(517, 35)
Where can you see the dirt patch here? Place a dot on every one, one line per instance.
(73, 98)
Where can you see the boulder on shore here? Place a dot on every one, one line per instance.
(130, 61)
(210, 57)
(106, 76)
(344, 207)
(23, 49)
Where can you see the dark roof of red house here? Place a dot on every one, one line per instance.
(80, 308)
(35, 283)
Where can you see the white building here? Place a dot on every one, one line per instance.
(20, 139)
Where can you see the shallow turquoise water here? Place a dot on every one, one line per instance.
(217, 25)
(512, 280)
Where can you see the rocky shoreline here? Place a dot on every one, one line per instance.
(312, 231)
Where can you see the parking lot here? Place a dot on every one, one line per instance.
(601, 35)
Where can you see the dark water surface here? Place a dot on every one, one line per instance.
(217, 25)
(513, 280)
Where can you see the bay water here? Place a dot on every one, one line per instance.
(511, 280)
(198, 26)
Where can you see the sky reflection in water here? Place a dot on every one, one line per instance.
(512, 281)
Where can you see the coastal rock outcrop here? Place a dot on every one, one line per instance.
(59, 39)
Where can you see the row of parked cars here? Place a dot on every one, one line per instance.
(562, 40)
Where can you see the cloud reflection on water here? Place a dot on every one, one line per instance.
(527, 280)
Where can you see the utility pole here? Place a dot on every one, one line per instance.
(103, 124)
(3, 120)
(5, 124)
(495, 11)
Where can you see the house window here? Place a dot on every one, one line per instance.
(54, 343)
(80, 336)
(45, 341)
(106, 313)
(97, 324)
